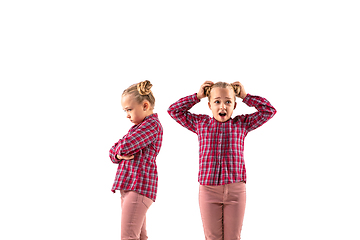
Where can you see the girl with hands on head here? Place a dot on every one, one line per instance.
(135, 154)
(222, 173)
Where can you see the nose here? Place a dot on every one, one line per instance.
(223, 106)
(128, 115)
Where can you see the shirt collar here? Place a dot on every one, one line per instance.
(151, 116)
(154, 115)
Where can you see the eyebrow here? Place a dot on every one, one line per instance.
(220, 97)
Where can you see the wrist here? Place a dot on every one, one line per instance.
(246, 97)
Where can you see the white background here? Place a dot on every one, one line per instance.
(64, 65)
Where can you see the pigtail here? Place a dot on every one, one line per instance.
(237, 89)
(144, 88)
(207, 90)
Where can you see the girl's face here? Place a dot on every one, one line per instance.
(222, 103)
(134, 111)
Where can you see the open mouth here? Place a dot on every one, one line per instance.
(222, 114)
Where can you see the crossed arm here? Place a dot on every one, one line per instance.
(124, 157)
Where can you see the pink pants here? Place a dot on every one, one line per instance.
(133, 217)
(222, 210)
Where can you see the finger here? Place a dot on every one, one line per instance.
(208, 83)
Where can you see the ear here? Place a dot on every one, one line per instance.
(145, 106)
(235, 105)
(209, 105)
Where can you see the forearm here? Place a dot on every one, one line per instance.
(179, 111)
(128, 147)
(112, 154)
(261, 104)
(137, 140)
(181, 107)
(265, 111)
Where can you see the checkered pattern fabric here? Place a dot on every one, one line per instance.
(139, 174)
(221, 150)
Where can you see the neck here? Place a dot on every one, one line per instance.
(149, 112)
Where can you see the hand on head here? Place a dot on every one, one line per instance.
(239, 89)
(204, 89)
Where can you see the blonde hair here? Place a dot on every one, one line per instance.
(141, 91)
(236, 88)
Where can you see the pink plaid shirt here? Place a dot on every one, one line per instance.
(144, 142)
(221, 152)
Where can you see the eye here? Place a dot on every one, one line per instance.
(217, 101)
(228, 102)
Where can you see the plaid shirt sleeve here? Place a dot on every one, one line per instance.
(134, 141)
(264, 113)
(179, 111)
(112, 153)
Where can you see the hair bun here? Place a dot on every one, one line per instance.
(144, 87)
